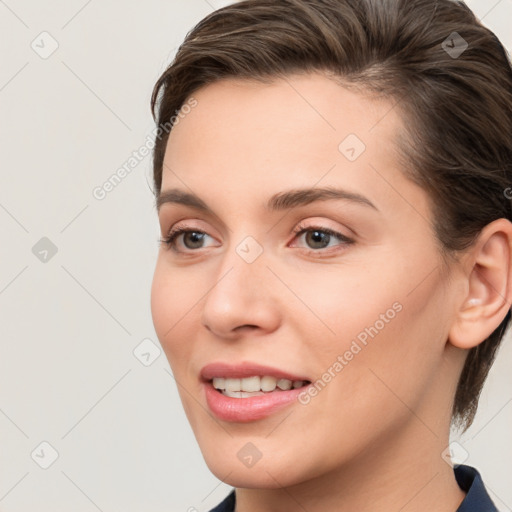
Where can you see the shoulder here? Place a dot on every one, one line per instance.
(477, 499)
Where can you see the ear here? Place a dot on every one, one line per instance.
(488, 286)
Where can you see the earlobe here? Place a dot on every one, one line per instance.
(489, 286)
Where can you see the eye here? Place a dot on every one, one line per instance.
(319, 237)
(191, 242)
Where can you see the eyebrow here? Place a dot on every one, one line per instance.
(285, 200)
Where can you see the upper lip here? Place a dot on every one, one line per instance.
(244, 369)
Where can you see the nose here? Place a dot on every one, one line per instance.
(242, 297)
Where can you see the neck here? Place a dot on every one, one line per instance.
(406, 474)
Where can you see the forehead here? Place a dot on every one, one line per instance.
(298, 105)
(248, 138)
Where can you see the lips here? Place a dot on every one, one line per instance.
(241, 406)
(246, 369)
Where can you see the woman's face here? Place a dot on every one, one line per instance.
(362, 313)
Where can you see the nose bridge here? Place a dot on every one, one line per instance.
(242, 271)
(239, 295)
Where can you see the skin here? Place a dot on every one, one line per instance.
(372, 439)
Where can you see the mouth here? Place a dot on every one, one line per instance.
(255, 385)
(248, 391)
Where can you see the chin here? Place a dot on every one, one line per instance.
(263, 475)
(271, 467)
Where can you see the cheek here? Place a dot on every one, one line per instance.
(173, 301)
(389, 321)
(173, 297)
(343, 303)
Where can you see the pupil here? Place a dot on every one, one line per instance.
(196, 237)
(319, 234)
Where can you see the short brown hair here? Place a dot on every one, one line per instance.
(457, 106)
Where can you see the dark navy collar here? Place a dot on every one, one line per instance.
(228, 505)
(477, 499)
(468, 478)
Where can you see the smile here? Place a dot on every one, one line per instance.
(249, 391)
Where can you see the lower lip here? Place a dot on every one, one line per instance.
(248, 409)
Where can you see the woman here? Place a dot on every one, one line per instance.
(335, 273)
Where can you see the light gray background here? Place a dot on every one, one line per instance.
(69, 326)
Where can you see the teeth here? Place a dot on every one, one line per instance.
(242, 394)
(284, 384)
(268, 383)
(232, 385)
(219, 383)
(252, 386)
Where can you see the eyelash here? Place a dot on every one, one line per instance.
(170, 240)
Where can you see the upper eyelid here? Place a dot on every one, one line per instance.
(299, 226)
